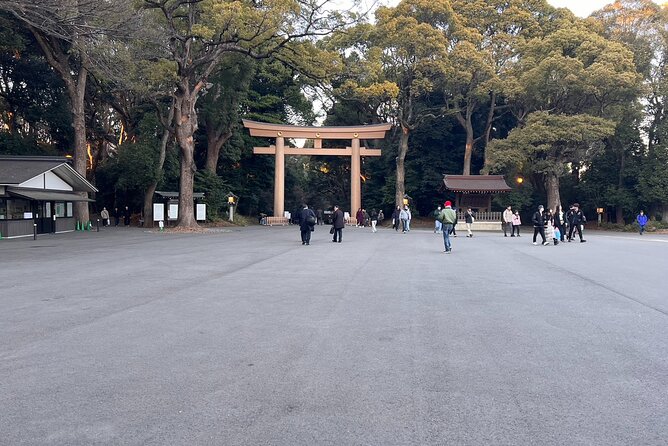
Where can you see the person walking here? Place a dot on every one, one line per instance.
(338, 223)
(117, 217)
(307, 221)
(507, 221)
(447, 218)
(374, 220)
(395, 218)
(539, 225)
(642, 221)
(126, 216)
(469, 219)
(359, 216)
(560, 222)
(319, 215)
(517, 222)
(408, 220)
(550, 233)
(576, 220)
(104, 215)
(381, 217)
(403, 216)
(438, 226)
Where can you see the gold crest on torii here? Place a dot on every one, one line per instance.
(317, 134)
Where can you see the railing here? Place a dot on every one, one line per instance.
(481, 216)
(270, 221)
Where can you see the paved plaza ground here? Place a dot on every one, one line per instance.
(126, 337)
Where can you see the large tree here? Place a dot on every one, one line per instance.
(571, 72)
(398, 62)
(483, 50)
(200, 33)
(70, 33)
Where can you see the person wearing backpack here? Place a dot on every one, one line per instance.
(447, 217)
(307, 220)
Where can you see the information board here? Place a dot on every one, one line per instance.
(158, 212)
(200, 213)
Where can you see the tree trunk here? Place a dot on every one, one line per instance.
(465, 121)
(401, 173)
(488, 130)
(186, 125)
(619, 215)
(552, 186)
(468, 150)
(77, 94)
(215, 139)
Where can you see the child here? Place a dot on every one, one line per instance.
(517, 222)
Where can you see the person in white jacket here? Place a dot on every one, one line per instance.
(507, 221)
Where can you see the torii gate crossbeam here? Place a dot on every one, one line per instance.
(317, 134)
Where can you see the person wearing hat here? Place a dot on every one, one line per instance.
(448, 218)
(539, 225)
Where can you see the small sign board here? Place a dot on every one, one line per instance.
(173, 211)
(200, 212)
(158, 211)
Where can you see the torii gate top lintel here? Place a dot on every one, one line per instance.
(263, 129)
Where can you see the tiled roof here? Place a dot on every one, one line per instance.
(476, 183)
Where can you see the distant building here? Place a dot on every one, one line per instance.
(39, 190)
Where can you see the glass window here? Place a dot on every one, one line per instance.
(60, 210)
(47, 209)
(3, 209)
(17, 208)
(69, 209)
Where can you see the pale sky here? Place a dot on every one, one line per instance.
(581, 8)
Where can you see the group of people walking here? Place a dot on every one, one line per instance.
(118, 215)
(552, 225)
(364, 219)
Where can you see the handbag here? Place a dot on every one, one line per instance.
(310, 220)
(331, 230)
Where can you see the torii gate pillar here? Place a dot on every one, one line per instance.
(279, 178)
(317, 134)
(355, 174)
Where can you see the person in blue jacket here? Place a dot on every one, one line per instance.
(642, 221)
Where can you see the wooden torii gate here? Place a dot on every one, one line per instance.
(317, 134)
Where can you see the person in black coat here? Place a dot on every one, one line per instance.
(307, 220)
(576, 218)
(539, 222)
(338, 223)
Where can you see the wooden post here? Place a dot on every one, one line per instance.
(355, 174)
(279, 178)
